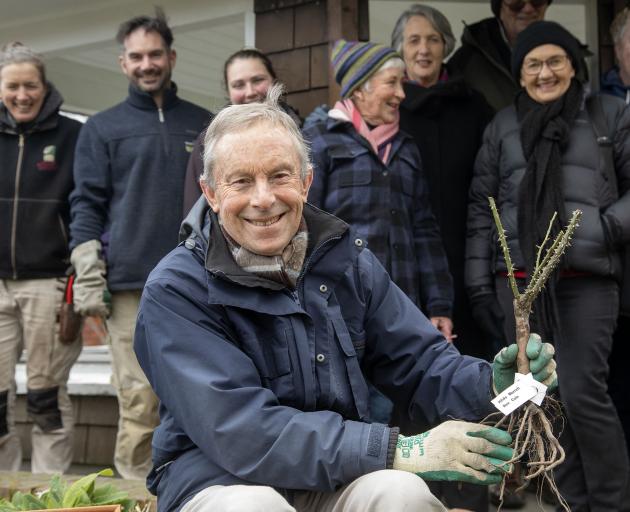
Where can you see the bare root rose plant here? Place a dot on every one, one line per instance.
(531, 425)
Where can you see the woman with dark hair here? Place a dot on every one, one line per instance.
(247, 76)
(37, 148)
(541, 156)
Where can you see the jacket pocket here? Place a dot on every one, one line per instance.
(354, 372)
(276, 355)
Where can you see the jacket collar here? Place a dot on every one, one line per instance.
(417, 96)
(334, 124)
(201, 226)
(144, 100)
(484, 36)
(45, 120)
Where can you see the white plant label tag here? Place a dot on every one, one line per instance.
(514, 396)
(542, 389)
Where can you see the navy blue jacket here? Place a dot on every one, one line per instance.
(129, 177)
(389, 205)
(262, 385)
(611, 83)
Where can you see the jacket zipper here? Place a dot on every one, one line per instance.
(163, 131)
(16, 198)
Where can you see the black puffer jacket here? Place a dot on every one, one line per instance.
(499, 168)
(35, 181)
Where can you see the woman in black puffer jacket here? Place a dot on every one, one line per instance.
(541, 156)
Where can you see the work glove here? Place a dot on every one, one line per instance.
(541, 364)
(488, 314)
(456, 451)
(91, 296)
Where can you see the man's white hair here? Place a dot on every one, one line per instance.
(238, 118)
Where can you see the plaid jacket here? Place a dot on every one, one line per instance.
(388, 204)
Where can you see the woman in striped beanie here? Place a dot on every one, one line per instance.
(369, 173)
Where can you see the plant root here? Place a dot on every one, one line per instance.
(534, 441)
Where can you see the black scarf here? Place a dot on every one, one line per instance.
(545, 130)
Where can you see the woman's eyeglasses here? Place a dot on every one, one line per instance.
(517, 5)
(555, 63)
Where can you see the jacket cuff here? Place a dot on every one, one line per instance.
(440, 311)
(394, 432)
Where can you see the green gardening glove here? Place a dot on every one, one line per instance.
(541, 364)
(456, 451)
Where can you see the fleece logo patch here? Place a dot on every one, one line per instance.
(189, 146)
(48, 162)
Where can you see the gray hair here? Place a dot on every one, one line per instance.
(17, 53)
(237, 118)
(433, 16)
(394, 62)
(619, 25)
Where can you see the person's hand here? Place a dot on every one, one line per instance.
(91, 296)
(445, 325)
(487, 312)
(541, 364)
(456, 451)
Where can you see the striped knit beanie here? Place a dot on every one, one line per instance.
(354, 63)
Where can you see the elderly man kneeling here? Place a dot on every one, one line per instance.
(257, 334)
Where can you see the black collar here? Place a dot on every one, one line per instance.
(144, 100)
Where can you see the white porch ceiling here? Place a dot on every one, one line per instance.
(76, 38)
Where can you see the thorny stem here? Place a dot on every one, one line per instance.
(504, 246)
(547, 235)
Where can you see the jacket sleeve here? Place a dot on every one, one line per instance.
(618, 214)
(214, 392)
(89, 201)
(436, 283)
(321, 162)
(194, 170)
(480, 224)
(409, 360)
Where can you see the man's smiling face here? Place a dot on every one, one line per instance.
(258, 191)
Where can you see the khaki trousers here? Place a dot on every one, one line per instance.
(28, 320)
(380, 491)
(137, 404)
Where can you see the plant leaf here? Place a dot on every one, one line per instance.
(79, 492)
(24, 501)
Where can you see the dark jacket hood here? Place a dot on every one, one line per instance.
(45, 120)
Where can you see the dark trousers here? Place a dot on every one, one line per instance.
(594, 476)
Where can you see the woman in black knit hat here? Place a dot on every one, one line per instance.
(540, 156)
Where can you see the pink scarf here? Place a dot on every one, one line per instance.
(380, 137)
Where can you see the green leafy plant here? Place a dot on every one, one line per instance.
(60, 494)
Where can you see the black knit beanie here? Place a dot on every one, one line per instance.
(496, 6)
(538, 34)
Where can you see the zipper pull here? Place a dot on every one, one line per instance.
(21, 140)
(161, 115)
